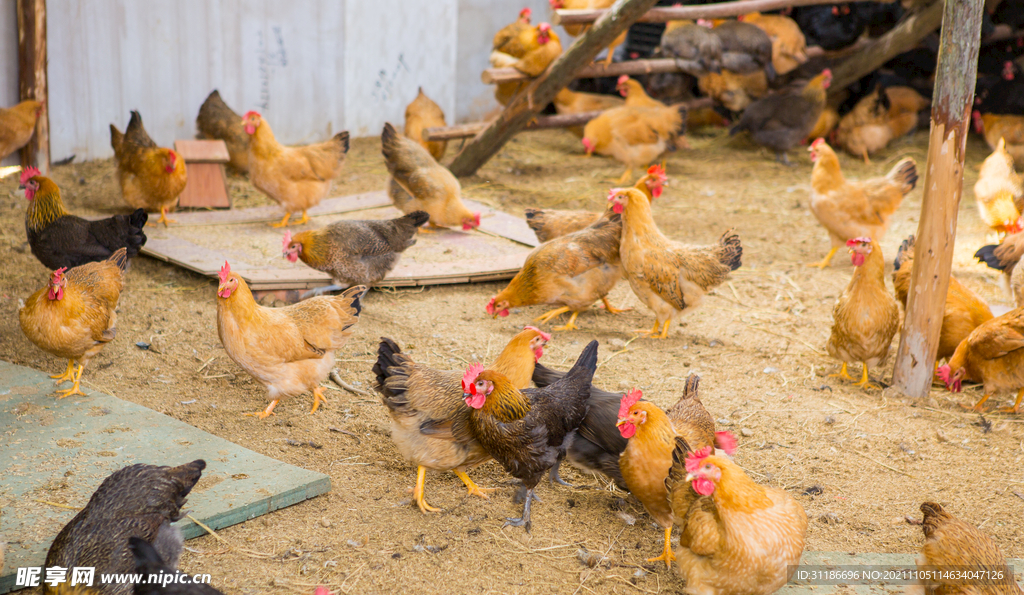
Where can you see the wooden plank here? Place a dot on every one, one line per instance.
(502, 224)
(32, 79)
(596, 70)
(329, 206)
(943, 179)
(195, 151)
(541, 123)
(206, 187)
(109, 434)
(675, 13)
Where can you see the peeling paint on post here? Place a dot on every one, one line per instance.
(32, 78)
(943, 186)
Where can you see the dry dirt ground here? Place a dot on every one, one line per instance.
(757, 343)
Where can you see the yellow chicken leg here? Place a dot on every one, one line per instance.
(569, 326)
(1016, 404)
(824, 263)
(417, 492)
(545, 317)
(664, 330)
(74, 390)
(612, 309)
(977, 406)
(283, 222)
(305, 218)
(163, 217)
(667, 556)
(318, 397)
(68, 374)
(266, 412)
(867, 161)
(652, 332)
(471, 488)
(843, 373)
(626, 176)
(865, 381)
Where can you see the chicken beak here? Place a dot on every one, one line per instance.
(690, 477)
(620, 422)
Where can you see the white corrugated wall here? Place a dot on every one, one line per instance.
(312, 67)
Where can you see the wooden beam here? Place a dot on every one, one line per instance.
(943, 178)
(542, 90)
(32, 78)
(597, 70)
(677, 13)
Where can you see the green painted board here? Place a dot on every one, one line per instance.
(61, 450)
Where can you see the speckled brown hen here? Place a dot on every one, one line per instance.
(866, 316)
(218, 121)
(136, 501)
(993, 354)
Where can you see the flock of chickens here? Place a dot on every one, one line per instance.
(734, 535)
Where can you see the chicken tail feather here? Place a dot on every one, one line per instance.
(987, 255)
(904, 174)
(905, 253)
(731, 250)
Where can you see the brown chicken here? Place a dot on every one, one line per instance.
(964, 310)
(866, 316)
(151, 177)
(732, 90)
(668, 276)
(651, 433)
(525, 431)
(549, 224)
(1008, 127)
(1004, 257)
(17, 125)
(218, 121)
(139, 501)
(539, 45)
(949, 544)
(738, 537)
(789, 47)
(577, 30)
(880, 117)
(572, 102)
(298, 178)
(781, 122)
(74, 316)
(288, 350)
(999, 193)
(419, 183)
(694, 48)
(849, 209)
(353, 252)
(424, 403)
(993, 354)
(423, 113)
(506, 40)
(635, 136)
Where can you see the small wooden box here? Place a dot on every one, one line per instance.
(207, 186)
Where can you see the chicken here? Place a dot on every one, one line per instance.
(539, 46)
(993, 354)
(572, 102)
(136, 501)
(17, 125)
(74, 316)
(424, 403)
(745, 48)
(738, 537)
(695, 49)
(421, 114)
(148, 562)
(668, 276)
(866, 316)
(732, 90)
(525, 431)
(789, 47)
(218, 121)
(354, 252)
(288, 350)
(1004, 257)
(507, 38)
(635, 136)
(950, 543)
(1006, 127)
(999, 193)
(634, 93)
(577, 30)
(151, 177)
(780, 122)
(964, 310)
(297, 178)
(651, 433)
(854, 209)
(827, 122)
(61, 240)
(830, 27)
(419, 183)
(880, 117)
(549, 224)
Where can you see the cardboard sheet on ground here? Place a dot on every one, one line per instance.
(60, 451)
(201, 241)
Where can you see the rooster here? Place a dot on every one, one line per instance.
(298, 178)
(217, 120)
(668, 276)
(61, 240)
(288, 350)
(993, 354)
(525, 430)
(424, 403)
(17, 124)
(151, 177)
(74, 316)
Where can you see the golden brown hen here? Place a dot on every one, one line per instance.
(151, 177)
(17, 124)
(999, 192)
(993, 354)
(880, 117)
(421, 114)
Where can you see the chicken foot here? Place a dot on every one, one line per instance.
(287, 216)
(1016, 404)
(266, 412)
(318, 291)
(843, 373)
(977, 406)
(865, 381)
(828, 259)
(654, 332)
(318, 397)
(612, 309)
(163, 217)
(556, 478)
(667, 555)
(626, 176)
(417, 492)
(569, 326)
(523, 521)
(68, 374)
(471, 488)
(75, 389)
(783, 158)
(545, 317)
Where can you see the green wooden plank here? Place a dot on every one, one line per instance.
(61, 450)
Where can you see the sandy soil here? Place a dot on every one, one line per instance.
(757, 343)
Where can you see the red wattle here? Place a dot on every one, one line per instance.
(250, 129)
(704, 487)
(627, 430)
(857, 259)
(475, 401)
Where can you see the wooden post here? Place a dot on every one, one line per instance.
(943, 184)
(599, 70)
(525, 105)
(32, 78)
(664, 14)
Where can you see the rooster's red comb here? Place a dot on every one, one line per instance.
(693, 459)
(251, 113)
(623, 79)
(28, 173)
(526, 12)
(543, 335)
(855, 241)
(658, 172)
(59, 274)
(224, 272)
(470, 376)
(817, 142)
(628, 400)
(726, 441)
(287, 239)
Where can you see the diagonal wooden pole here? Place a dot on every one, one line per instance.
(943, 185)
(525, 106)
